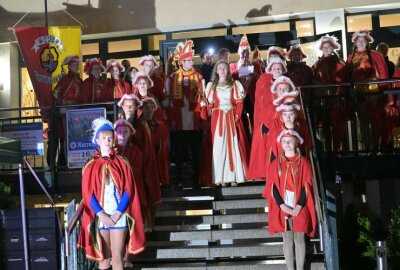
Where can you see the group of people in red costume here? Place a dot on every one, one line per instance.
(246, 123)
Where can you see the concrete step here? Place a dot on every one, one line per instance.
(247, 190)
(210, 235)
(239, 204)
(181, 218)
(202, 227)
(185, 205)
(248, 248)
(258, 265)
(210, 203)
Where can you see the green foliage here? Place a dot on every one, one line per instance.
(5, 195)
(357, 245)
(393, 239)
(365, 237)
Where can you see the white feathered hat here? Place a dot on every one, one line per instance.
(98, 125)
(290, 133)
(282, 80)
(141, 75)
(129, 97)
(275, 61)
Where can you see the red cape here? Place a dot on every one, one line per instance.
(160, 138)
(93, 182)
(135, 158)
(151, 176)
(158, 89)
(300, 168)
(264, 112)
(68, 89)
(117, 88)
(89, 94)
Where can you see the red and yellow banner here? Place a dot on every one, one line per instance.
(44, 50)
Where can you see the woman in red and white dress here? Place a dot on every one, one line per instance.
(230, 146)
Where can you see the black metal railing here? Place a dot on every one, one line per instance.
(48, 161)
(309, 98)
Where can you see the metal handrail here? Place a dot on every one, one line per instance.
(348, 84)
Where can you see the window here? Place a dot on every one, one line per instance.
(124, 45)
(389, 20)
(28, 96)
(272, 27)
(358, 22)
(90, 48)
(154, 42)
(305, 28)
(200, 33)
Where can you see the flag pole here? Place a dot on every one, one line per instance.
(46, 19)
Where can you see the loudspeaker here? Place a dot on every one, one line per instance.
(43, 236)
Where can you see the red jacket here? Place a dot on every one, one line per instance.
(94, 90)
(68, 89)
(117, 88)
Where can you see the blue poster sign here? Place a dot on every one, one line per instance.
(79, 145)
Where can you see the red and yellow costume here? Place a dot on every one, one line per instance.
(68, 89)
(116, 88)
(293, 174)
(93, 90)
(193, 92)
(369, 66)
(95, 173)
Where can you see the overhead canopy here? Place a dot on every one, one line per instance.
(10, 151)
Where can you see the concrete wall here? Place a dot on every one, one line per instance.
(9, 77)
(104, 16)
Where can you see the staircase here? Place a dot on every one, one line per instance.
(216, 228)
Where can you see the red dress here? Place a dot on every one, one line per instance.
(264, 112)
(94, 177)
(291, 173)
(94, 90)
(151, 176)
(230, 144)
(135, 158)
(117, 88)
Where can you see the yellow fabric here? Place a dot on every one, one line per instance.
(71, 41)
